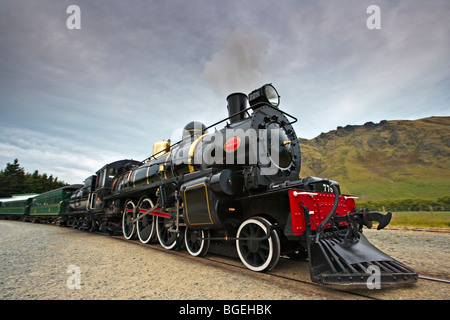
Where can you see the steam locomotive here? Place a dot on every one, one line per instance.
(239, 188)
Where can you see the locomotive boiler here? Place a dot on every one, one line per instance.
(239, 187)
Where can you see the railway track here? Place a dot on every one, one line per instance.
(105, 262)
(304, 282)
(283, 277)
(233, 265)
(434, 279)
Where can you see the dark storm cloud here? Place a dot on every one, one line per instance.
(113, 87)
(72, 100)
(347, 73)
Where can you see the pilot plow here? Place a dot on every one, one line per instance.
(338, 251)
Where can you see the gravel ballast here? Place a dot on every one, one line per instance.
(43, 262)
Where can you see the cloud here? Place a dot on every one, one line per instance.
(63, 156)
(239, 63)
(137, 71)
(339, 72)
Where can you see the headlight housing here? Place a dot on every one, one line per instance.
(267, 94)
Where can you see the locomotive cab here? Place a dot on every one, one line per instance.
(105, 179)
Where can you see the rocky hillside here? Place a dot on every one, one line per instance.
(390, 159)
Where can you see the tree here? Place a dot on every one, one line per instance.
(14, 180)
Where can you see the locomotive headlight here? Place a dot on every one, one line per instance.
(267, 94)
(272, 95)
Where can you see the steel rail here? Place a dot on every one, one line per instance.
(434, 279)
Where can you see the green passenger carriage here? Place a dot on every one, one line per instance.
(52, 203)
(16, 206)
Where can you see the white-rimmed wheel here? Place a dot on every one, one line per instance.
(128, 227)
(146, 225)
(257, 253)
(197, 242)
(167, 239)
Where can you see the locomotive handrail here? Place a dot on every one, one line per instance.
(228, 118)
(275, 108)
(169, 147)
(311, 194)
(214, 124)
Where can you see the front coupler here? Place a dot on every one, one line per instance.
(345, 256)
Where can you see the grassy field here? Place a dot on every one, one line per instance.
(424, 219)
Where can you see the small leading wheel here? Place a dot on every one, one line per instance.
(167, 239)
(257, 254)
(197, 242)
(128, 227)
(146, 225)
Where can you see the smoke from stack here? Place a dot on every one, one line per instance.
(240, 63)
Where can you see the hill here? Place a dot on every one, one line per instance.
(391, 159)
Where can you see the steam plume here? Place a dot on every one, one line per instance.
(240, 63)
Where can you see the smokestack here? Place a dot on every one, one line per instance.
(236, 103)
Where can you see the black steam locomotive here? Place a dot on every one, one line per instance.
(238, 187)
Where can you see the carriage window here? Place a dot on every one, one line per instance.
(100, 179)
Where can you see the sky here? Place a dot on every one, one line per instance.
(73, 100)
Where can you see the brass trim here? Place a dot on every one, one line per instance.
(207, 204)
(192, 150)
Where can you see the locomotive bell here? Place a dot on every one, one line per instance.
(237, 102)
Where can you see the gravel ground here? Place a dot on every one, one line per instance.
(426, 252)
(35, 260)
